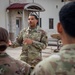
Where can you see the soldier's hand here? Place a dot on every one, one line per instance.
(10, 43)
(27, 41)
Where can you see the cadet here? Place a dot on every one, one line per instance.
(62, 63)
(9, 65)
(33, 40)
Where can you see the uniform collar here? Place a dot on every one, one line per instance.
(3, 55)
(68, 47)
(32, 29)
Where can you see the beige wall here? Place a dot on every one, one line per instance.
(52, 8)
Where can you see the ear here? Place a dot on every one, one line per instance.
(59, 28)
(37, 21)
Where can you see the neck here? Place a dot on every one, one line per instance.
(2, 52)
(32, 27)
(68, 40)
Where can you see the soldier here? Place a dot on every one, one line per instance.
(9, 65)
(33, 40)
(62, 63)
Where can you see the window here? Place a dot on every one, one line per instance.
(40, 22)
(17, 22)
(51, 26)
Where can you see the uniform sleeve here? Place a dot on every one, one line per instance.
(19, 40)
(24, 68)
(45, 67)
(42, 44)
(40, 70)
(49, 66)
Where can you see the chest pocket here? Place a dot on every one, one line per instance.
(35, 36)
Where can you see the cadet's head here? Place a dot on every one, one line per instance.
(67, 18)
(4, 39)
(33, 19)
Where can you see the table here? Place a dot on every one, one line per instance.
(56, 36)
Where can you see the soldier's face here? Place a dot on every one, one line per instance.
(32, 21)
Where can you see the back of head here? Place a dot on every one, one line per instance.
(67, 18)
(4, 38)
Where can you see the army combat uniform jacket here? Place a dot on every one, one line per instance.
(31, 53)
(10, 66)
(62, 63)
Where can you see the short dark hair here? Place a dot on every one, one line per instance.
(35, 15)
(67, 18)
(4, 38)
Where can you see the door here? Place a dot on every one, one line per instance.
(18, 25)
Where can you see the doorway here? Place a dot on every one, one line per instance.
(18, 25)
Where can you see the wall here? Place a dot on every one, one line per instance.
(52, 8)
(3, 20)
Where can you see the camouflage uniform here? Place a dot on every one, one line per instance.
(62, 63)
(10, 66)
(31, 53)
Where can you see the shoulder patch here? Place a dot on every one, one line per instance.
(42, 31)
(23, 30)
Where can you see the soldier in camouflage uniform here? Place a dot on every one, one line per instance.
(62, 63)
(33, 40)
(9, 65)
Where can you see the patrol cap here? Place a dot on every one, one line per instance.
(34, 14)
